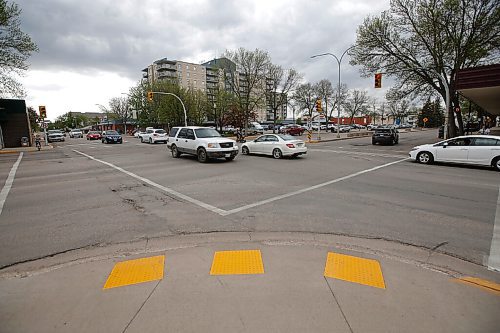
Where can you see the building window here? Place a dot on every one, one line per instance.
(187, 74)
(194, 68)
(194, 82)
(187, 66)
(179, 66)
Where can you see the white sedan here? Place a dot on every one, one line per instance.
(277, 145)
(473, 149)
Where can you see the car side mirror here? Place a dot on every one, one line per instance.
(445, 144)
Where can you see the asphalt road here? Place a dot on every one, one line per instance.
(84, 193)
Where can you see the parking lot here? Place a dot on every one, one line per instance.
(83, 193)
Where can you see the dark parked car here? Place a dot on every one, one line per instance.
(111, 137)
(385, 135)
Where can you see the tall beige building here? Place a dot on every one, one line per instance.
(207, 77)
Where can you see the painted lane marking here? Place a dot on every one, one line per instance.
(8, 183)
(314, 187)
(158, 186)
(357, 153)
(494, 258)
(223, 212)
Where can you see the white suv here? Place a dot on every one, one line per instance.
(154, 135)
(76, 133)
(203, 142)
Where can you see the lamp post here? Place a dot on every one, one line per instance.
(339, 61)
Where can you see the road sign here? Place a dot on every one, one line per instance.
(425, 120)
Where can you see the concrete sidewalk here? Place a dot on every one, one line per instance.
(420, 290)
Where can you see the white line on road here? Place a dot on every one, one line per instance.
(158, 186)
(494, 258)
(279, 197)
(223, 212)
(8, 183)
(356, 153)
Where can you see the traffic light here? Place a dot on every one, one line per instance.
(378, 80)
(318, 106)
(150, 96)
(42, 111)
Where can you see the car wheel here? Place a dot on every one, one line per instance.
(142, 140)
(150, 141)
(496, 163)
(374, 143)
(277, 153)
(202, 155)
(245, 151)
(425, 157)
(175, 151)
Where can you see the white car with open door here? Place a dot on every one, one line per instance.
(276, 145)
(473, 149)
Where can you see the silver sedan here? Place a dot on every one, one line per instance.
(276, 145)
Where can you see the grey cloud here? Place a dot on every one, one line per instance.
(126, 36)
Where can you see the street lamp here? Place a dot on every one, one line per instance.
(171, 94)
(338, 100)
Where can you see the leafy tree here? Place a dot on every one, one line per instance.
(399, 105)
(34, 119)
(422, 44)
(248, 82)
(329, 95)
(279, 83)
(15, 49)
(356, 103)
(120, 109)
(224, 103)
(433, 112)
(305, 96)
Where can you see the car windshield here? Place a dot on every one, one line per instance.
(382, 130)
(160, 131)
(286, 137)
(112, 133)
(75, 130)
(93, 132)
(206, 133)
(55, 132)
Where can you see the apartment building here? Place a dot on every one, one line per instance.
(207, 77)
(188, 75)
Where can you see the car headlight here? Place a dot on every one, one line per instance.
(414, 148)
(212, 145)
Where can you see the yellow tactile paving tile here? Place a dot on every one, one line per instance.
(354, 269)
(237, 262)
(483, 284)
(136, 271)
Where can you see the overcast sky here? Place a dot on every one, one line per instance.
(92, 51)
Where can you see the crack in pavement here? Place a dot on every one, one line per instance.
(139, 310)
(338, 304)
